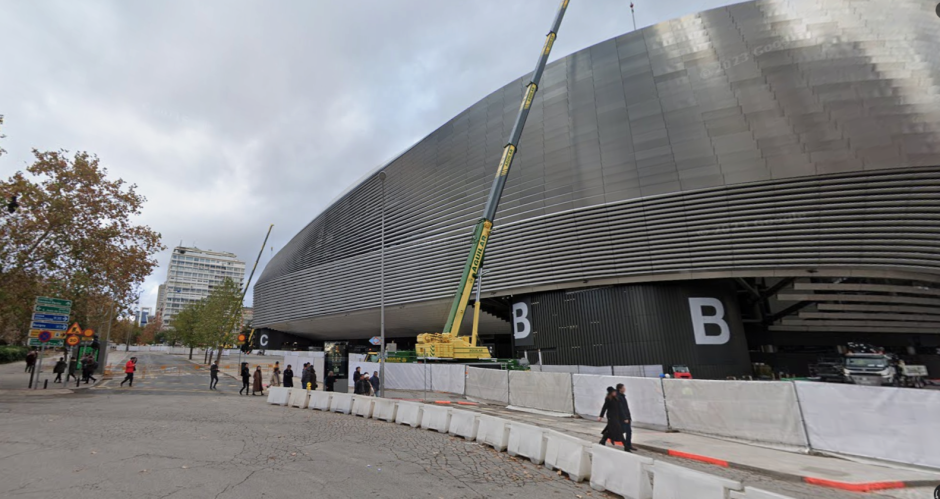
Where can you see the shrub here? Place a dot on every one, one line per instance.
(12, 353)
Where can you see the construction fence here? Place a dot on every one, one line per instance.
(789, 415)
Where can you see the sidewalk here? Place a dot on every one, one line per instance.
(789, 466)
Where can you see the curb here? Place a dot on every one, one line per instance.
(821, 482)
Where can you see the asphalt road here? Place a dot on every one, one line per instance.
(170, 374)
(164, 438)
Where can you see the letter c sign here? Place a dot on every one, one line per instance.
(263, 340)
(700, 320)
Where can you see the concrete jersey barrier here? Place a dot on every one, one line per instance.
(410, 413)
(341, 402)
(278, 395)
(527, 441)
(675, 482)
(765, 412)
(384, 409)
(298, 398)
(568, 454)
(494, 432)
(436, 418)
(464, 424)
(320, 400)
(541, 390)
(363, 406)
(620, 472)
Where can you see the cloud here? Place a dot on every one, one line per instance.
(231, 115)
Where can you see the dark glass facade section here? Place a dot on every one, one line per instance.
(642, 324)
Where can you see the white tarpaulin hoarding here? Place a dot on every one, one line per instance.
(652, 371)
(488, 384)
(541, 390)
(560, 369)
(644, 395)
(599, 370)
(447, 378)
(407, 376)
(764, 412)
(894, 424)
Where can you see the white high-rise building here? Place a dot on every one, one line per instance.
(192, 275)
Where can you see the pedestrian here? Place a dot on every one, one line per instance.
(59, 369)
(258, 387)
(313, 378)
(614, 429)
(213, 376)
(88, 368)
(288, 377)
(276, 375)
(363, 387)
(374, 379)
(30, 361)
(129, 369)
(356, 376)
(246, 378)
(330, 381)
(74, 366)
(625, 412)
(305, 376)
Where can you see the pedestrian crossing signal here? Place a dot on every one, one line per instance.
(242, 338)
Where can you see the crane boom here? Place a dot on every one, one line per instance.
(481, 232)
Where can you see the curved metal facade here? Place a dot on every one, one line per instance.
(763, 137)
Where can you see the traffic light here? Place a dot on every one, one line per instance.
(244, 342)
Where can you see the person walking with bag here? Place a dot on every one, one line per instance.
(288, 377)
(258, 386)
(305, 375)
(246, 379)
(275, 375)
(614, 429)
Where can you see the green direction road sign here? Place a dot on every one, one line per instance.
(34, 342)
(45, 300)
(52, 309)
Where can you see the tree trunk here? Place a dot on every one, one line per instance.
(218, 354)
(191, 352)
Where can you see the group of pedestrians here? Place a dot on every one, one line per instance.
(618, 427)
(308, 377)
(363, 384)
(87, 365)
(254, 384)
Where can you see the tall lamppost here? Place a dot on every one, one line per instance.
(382, 293)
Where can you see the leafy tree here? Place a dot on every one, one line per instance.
(72, 236)
(149, 335)
(186, 326)
(223, 305)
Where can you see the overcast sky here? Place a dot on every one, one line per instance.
(232, 115)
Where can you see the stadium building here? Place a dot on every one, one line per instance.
(754, 183)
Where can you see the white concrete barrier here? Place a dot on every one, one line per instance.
(385, 409)
(278, 395)
(363, 405)
(526, 441)
(545, 391)
(464, 424)
(675, 482)
(488, 384)
(436, 417)
(620, 472)
(568, 454)
(409, 413)
(341, 402)
(752, 493)
(766, 412)
(320, 400)
(298, 398)
(494, 432)
(644, 395)
(891, 424)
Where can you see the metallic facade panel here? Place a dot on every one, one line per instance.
(763, 135)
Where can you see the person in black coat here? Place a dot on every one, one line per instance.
(614, 429)
(374, 379)
(330, 381)
(625, 412)
(288, 377)
(356, 376)
(246, 379)
(304, 375)
(363, 387)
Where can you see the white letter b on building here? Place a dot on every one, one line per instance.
(520, 317)
(700, 320)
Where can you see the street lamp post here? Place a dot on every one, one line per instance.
(382, 294)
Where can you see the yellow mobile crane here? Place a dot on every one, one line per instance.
(449, 344)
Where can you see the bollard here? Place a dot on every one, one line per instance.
(45, 385)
